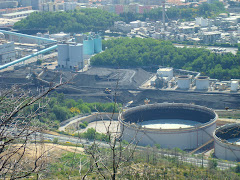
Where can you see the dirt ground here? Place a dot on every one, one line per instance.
(102, 126)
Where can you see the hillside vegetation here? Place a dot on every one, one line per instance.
(136, 52)
(60, 109)
(174, 13)
(76, 21)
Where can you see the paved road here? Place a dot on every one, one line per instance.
(193, 160)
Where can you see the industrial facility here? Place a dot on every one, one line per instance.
(179, 79)
(7, 50)
(226, 142)
(70, 56)
(171, 125)
(92, 44)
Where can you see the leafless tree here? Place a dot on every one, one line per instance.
(110, 158)
(19, 127)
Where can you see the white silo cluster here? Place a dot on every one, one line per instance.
(70, 56)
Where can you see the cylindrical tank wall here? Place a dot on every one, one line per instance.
(202, 84)
(224, 149)
(183, 139)
(97, 44)
(183, 83)
(234, 85)
(75, 56)
(63, 55)
(88, 47)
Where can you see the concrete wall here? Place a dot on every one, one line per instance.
(226, 151)
(183, 139)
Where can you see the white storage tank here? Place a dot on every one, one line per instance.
(234, 85)
(202, 83)
(165, 72)
(184, 82)
(63, 55)
(75, 56)
(171, 125)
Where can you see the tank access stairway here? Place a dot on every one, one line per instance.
(200, 147)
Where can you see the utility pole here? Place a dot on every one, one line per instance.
(163, 14)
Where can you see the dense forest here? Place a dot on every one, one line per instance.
(76, 21)
(136, 52)
(59, 109)
(174, 13)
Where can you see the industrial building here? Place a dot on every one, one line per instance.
(92, 44)
(171, 125)
(7, 50)
(226, 142)
(70, 56)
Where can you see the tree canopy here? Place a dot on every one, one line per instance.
(204, 10)
(76, 21)
(136, 52)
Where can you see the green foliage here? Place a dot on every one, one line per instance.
(77, 21)
(67, 165)
(91, 134)
(237, 168)
(83, 125)
(158, 146)
(174, 13)
(136, 52)
(55, 141)
(212, 164)
(60, 109)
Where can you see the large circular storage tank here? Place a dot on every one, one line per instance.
(97, 44)
(227, 142)
(171, 125)
(88, 46)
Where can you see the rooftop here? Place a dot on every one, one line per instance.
(18, 13)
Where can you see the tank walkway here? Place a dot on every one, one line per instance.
(200, 147)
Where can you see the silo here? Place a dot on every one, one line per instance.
(202, 83)
(75, 56)
(88, 46)
(63, 55)
(184, 82)
(234, 85)
(97, 44)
